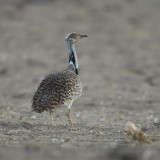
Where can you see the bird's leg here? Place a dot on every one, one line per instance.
(69, 116)
(51, 115)
(69, 110)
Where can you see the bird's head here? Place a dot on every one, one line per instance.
(74, 37)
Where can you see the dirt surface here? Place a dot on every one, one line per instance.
(119, 66)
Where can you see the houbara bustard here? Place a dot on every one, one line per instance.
(62, 87)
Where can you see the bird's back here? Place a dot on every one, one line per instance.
(55, 89)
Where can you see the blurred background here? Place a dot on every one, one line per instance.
(119, 66)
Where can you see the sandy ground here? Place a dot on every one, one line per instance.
(119, 66)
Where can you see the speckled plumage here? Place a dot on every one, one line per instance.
(56, 89)
(60, 88)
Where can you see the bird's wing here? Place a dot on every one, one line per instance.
(43, 93)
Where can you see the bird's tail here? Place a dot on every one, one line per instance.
(33, 109)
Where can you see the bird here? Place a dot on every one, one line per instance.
(60, 88)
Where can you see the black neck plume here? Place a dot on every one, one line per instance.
(72, 57)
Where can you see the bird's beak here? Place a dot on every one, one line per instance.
(83, 36)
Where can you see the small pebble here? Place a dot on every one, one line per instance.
(62, 140)
(156, 120)
(78, 115)
(102, 119)
(91, 131)
(33, 116)
(113, 144)
(54, 140)
(150, 117)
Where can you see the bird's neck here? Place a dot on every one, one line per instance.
(72, 56)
